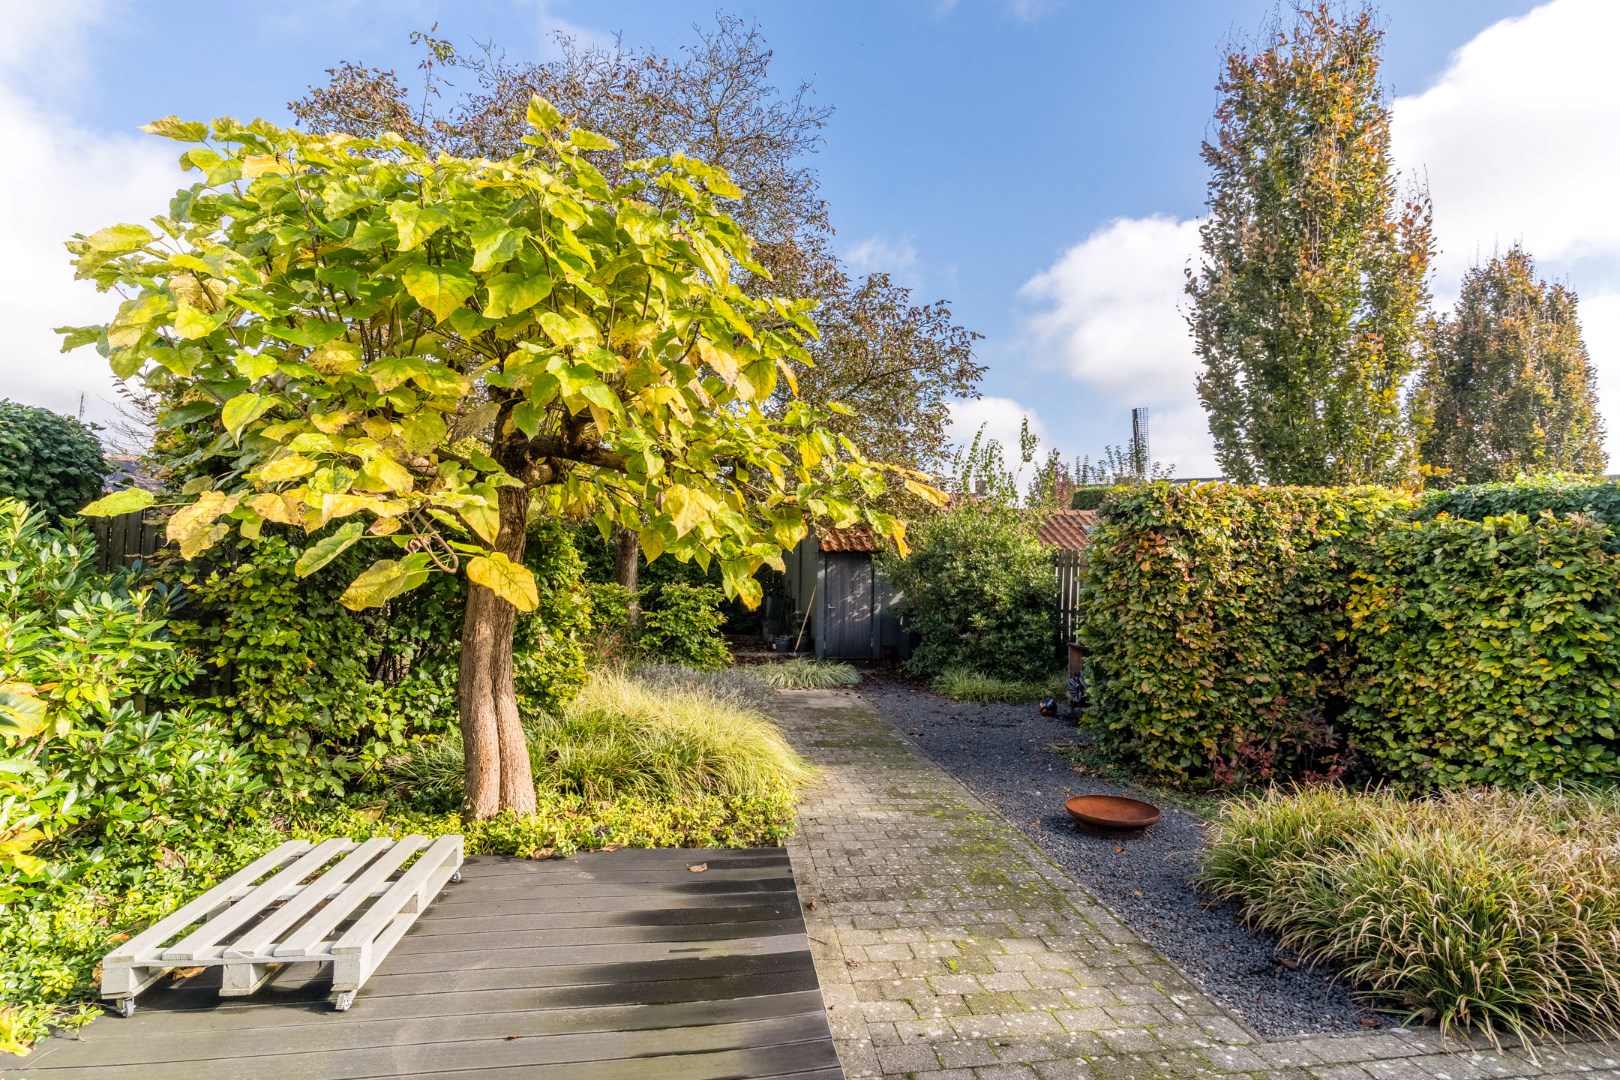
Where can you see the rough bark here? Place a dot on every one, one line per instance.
(498, 774)
(627, 567)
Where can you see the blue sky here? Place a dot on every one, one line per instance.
(1033, 161)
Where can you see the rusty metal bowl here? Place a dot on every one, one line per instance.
(1112, 811)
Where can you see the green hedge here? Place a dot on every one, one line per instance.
(1215, 621)
(1242, 634)
(1489, 652)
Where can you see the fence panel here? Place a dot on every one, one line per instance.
(124, 538)
(1069, 564)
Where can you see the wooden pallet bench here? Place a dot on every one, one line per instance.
(295, 905)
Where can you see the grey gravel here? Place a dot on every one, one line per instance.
(1001, 752)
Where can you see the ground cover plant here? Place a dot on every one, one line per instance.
(803, 673)
(1483, 910)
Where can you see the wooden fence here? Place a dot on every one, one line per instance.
(123, 539)
(1068, 590)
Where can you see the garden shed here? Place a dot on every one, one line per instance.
(853, 608)
(851, 605)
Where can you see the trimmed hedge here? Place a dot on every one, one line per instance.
(1215, 619)
(1241, 634)
(1489, 652)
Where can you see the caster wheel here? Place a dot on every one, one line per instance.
(126, 1007)
(455, 878)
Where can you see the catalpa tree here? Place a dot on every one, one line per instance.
(418, 352)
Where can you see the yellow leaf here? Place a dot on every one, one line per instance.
(273, 507)
(484, 519)
(192, 520)
(288, 467)
(510, 581)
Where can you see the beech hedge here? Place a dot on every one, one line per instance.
(1248, 634)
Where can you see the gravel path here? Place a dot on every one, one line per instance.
(1001, 753)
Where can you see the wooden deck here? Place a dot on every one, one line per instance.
(614, 966)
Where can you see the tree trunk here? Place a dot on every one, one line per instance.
(627, 567)
(498, 774)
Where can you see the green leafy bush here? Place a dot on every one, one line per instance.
(1485, 910)
(1216, 623)
(621, 736)
(960, 685)
(1561, 494)
(318, 694)
(1090, 497)
(802, 673)
(1488, 652)
(78, 653)
(681, 624)
(51, 462)
(980, 593)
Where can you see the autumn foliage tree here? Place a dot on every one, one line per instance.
(1308, 302)
(418, 352)
(1507, 387)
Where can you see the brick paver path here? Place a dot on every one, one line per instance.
(950, 948)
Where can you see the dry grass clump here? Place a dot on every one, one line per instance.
(803, 673)
(1488, 911)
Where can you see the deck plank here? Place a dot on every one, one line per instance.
(619, 965)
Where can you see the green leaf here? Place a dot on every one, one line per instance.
(484, 519)
(512, 293)
(416, 222)
(510, 581)
(74, 337)
(494, 242)
(242, 410)
(590, 140)
(22, 715)
(119, 502)
(191, 323)
(377, 584)
(328, 548)
(172, 127)
(543, 115)
(440, 289)
(119, 239)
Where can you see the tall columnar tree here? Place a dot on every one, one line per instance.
(1507, 387)
(1307, 306)
(417, 352)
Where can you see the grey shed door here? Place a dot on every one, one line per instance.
(848, 619)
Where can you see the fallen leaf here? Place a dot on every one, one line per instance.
(1118, 850)
(698, 868)
(1371, 1022)
(1136, 892)
(190, 972)
(509, 1038)
(811, 906)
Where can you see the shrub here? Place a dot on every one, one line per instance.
(680, 624)
(802, 673)
(1090, 497)
(78, 652)
(623, 737)
(960, 685)
(1489, 652)
(980, 594)
(1484, 910)
(1558, 493)
(1216, 624)
(318, 694)
(51, 462)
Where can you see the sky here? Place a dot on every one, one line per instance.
(1034, 162)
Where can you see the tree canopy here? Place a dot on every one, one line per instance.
(52, 462)
(1309, 298)
(394, 348)
(1507, 387)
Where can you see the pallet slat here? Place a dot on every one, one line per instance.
(316, 897)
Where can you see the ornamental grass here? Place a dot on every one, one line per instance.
(802, 673)
(1481, 911)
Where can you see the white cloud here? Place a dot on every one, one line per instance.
(879, 254)
(1517, 139)
(1109, 316)
(1000, 417)
(58, 178)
